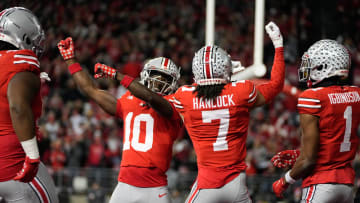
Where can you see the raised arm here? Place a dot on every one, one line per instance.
(156, 101)
(82, 79)
(268, 91)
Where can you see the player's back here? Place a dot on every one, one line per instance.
(218, 127)
(338, 109)
(11, 153)
(12, 62)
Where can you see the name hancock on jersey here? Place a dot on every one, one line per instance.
(218, 102)
(347, 97)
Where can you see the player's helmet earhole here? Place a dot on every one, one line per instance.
(319, 68)
(27, 40)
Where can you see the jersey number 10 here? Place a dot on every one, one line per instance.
(135, 141)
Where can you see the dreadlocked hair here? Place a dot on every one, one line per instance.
(209, 91)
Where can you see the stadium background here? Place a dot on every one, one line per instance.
(81, 145)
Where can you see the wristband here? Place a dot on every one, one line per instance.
(30, 148)
(288, 178)
(126, 81)
(278, 43)
(75, 67)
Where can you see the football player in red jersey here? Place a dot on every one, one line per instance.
(329, 118)
(216, 116)
(215, 112)
(150, 124)
(23, 178)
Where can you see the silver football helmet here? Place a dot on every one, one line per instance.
(324, 59)
(211, 65)
(20, 27)
(161, 75)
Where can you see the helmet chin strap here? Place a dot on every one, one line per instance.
(309, 83)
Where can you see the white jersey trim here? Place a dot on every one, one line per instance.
(309, 100)
(26, 57)
(28, 62)
(178, 106)
(309, 106)
(251, 100)
(253, 92)
(175, 101)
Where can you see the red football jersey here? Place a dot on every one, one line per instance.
(147, 143)
(338, 109)
(218, 129)
(12, 155)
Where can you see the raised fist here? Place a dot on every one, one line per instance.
(236, 67)
(275, 35)
(102, 70)
(28, 171)
(66, 48)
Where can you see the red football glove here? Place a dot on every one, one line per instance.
(279, 187)
(28, 171)
(66, 48)
(102, 70)
(285, 158)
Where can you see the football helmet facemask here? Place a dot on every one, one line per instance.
(21, 28)
(324, 59)
(160, 75)
(211, 65)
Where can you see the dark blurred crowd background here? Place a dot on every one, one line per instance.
(76, 133)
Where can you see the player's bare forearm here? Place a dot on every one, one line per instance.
(276, 84)
(157, 102)
(23, 122)
(309, 147)
(87, 85)
(70, 61)
(302, 168)
(22, 89)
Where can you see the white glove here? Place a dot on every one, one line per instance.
(45, 76)
(236, 66)
(274, 33)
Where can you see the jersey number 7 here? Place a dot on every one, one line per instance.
(224, 117)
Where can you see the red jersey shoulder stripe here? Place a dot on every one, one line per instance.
(309, 103)
(28, 62)
(20, 58)
(253, 92)
(252, 95)
(174, 100)
(309, 106)
(26, 57)
(309, 100)
(176, 103)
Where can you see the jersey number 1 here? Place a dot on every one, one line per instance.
(346, 144)
(135, 141)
